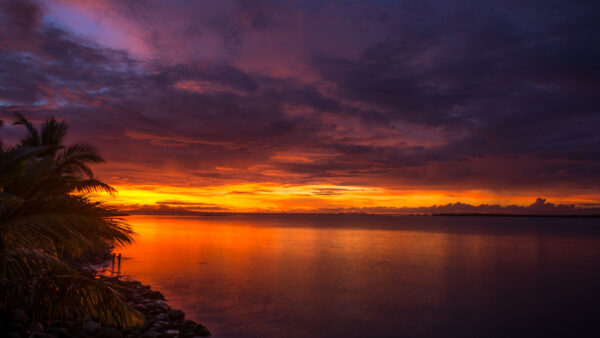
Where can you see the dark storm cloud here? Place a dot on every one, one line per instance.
(21, 18)
(476, 94)
(519, 78)
(134, 112)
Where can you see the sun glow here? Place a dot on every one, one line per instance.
(271, 197)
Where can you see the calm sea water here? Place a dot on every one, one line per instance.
(374, 276)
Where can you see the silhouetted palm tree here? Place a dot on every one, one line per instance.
(45, 214)
(69, 162)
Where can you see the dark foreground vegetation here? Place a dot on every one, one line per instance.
(49, 227)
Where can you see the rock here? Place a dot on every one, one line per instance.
(140, 307)
(187, 328)
(147, 325)
(136, 330)
(91, 326)
(155, 312)
(77, 331)
(36, 327)
(127, 331)
(199, 331)
(60, 332)
(172, 332)
(41, 335)
(155, 327)
(161, 325)
(202, 331)
(176, 315)
(187, 335)
(159, 305)
(168, 325)
(155, 295)
(108, 332)
(162, 316)
(129, 297)
(189, 323)
(151, 334)
(166, 335)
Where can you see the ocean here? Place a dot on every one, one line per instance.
(373, 276)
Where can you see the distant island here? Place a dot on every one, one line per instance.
(517, 215)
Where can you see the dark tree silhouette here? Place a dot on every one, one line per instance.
(46, 215)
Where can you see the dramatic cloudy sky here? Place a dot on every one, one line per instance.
(303, 105)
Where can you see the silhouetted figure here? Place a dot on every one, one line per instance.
(112, 270)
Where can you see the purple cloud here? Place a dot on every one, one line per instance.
(427, 94)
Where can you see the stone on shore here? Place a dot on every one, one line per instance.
(155, 295)
(108, 332)
(176, 315)
(36, 327)
(162, 316)
(160, 321)
(91, 326)
(60, 332)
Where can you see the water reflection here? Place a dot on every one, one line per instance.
(359, 276)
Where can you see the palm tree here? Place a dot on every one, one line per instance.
(45, 215)
(70, 162)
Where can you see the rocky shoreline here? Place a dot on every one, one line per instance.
(161, 321)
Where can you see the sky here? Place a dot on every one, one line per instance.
(302, 106)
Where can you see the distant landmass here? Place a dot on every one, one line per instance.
(517, 215)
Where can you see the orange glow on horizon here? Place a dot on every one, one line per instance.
(271, 197)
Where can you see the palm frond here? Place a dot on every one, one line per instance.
(91, 186)
(33, 137)
(53, 133)
(46, 216)
(69, 296)
(26, 263)
(74, 160)
(12, 162)
(74, 233)
(36, 176)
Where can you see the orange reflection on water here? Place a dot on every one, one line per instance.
(328, 275)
